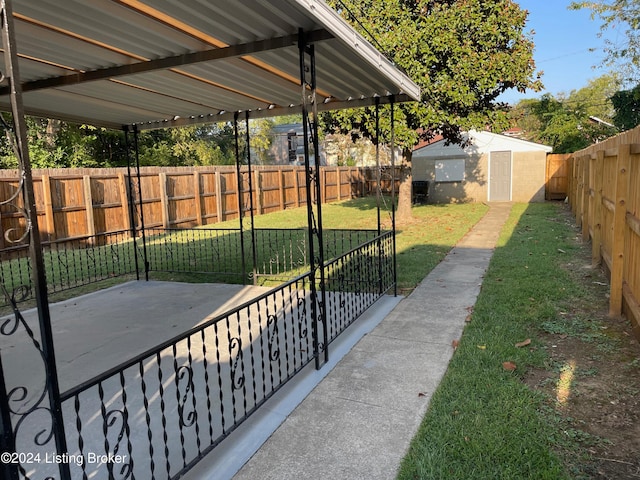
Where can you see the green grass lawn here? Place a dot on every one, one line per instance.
(421, 244)
(484, 422)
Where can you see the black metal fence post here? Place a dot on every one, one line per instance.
(378, 194)
(136, 134)
(240, 199)
(131, 199)
(254, 254)
(393, 196)
(46, 349)
(314, 219)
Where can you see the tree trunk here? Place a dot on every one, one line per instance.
(403, 212)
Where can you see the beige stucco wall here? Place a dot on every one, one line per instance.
(527, 177)
(472, 189)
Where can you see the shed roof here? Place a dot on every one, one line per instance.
(156, 63)
(479, 142)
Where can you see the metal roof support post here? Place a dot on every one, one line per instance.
(51, 389)
(253, 231)
(131, 200)
(136, 133)
(393, 195)
(378, 194)
(240, 195)
(314, 219)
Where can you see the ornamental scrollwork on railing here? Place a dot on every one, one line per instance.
(302, 318)
(274, 348)
(237, 381)
(110, 420)
(24, 405)
(14, 196)
(184, 384)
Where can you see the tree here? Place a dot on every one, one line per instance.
(569, 123)
(627, 108)
(620, 15)
(462, 53)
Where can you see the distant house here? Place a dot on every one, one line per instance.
(492, 167)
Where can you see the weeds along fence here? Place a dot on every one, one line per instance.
(604, 194)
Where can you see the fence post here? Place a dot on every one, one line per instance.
(580, 186)
(88, 205)
(164, 199)
(48, 207)
(258, 191)
(619, 221)
(281, 188)
(124, 201)
(596, 240)
(586, 163)
(219, 203)
(296, 186)
(197, 201)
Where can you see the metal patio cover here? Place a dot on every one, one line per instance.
(160, 63)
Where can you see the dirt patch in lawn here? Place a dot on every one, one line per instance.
(592, 381)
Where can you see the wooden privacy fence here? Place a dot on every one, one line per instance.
(75, 203)
(604, 193)
(557, 176)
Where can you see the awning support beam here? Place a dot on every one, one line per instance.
(170, 62)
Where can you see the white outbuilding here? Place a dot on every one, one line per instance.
(490, 167)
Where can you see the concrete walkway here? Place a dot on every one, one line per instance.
(358, 422)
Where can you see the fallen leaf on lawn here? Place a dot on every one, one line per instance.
(455, 344)
(523, 343)
(468, 318)
(561, 250)
(509, 366)
(482, 347)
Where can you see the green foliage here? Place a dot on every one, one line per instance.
(627, 107)
(462, 53)
(564, 122)
(623, 16)
(54, 144)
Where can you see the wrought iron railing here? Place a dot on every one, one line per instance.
(280, 255)
(198, 250)
(159, 413)
(70, 263)
(355, 280)
(166, 408)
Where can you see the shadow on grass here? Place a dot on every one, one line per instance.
(483, 421)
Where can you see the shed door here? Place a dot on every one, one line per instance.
(500, 176)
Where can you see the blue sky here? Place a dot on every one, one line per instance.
(563, 39)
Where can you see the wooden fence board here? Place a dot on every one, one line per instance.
(612, 216)
(79, 202)
(557, 176)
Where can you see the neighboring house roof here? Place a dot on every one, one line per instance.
(479, 143)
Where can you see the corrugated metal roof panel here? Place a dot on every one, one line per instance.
(137, 55)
